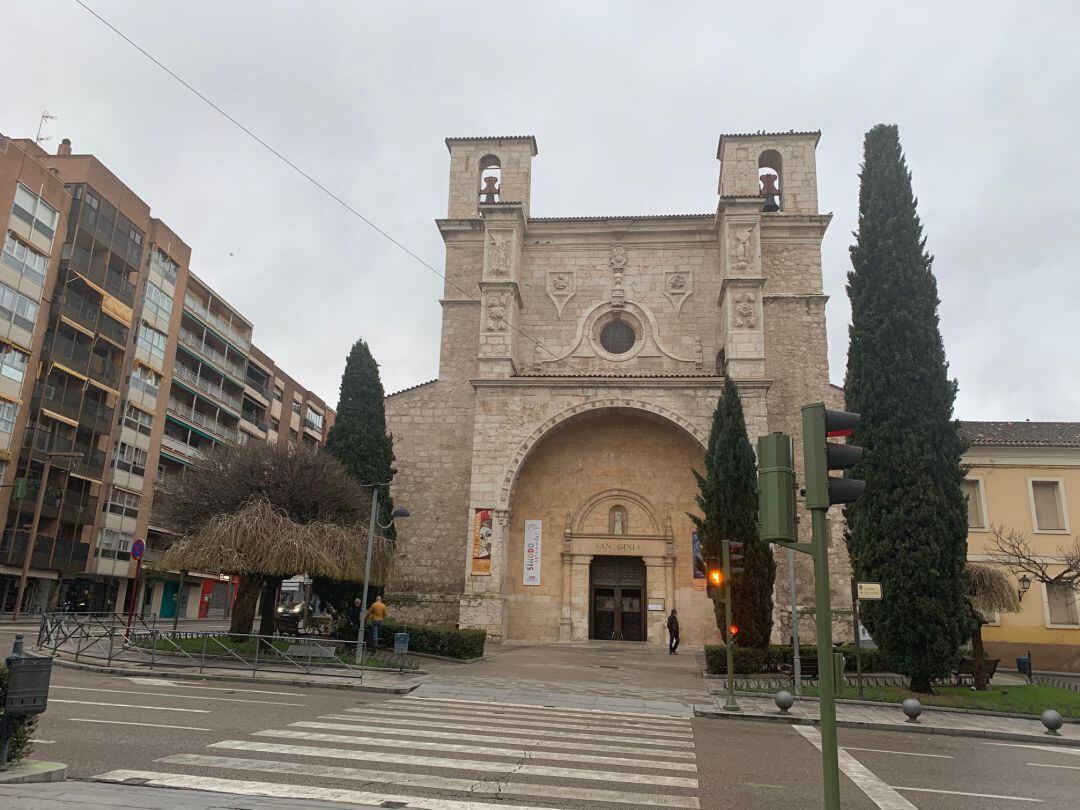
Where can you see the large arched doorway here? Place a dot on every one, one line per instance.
(605, 494)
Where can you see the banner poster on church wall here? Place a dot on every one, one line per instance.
(481, 543)
(533, 537)
(699, 562)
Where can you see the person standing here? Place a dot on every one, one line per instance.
(375, 614)
(355, 616)
(673, 632)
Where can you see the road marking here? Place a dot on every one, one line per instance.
(169, 694)
(559, 741)
(1038, 765)
(1054, 749)
(877, 791)
(42, 742)
(481, 787)
(515, 753)
(538, 709)
(162, 682)
(905, 753)
(504, 768)
(287, 791)
(974, 795)
(568, 736)
(129, 706)
(129, 723)
(642, 730)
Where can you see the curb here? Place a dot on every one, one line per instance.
(910, 728)
(404, 689)
(33, 771)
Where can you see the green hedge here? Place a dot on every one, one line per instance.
(749, 661)
(449, 643)
(23, 730)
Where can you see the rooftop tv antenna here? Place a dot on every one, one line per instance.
(40, 139)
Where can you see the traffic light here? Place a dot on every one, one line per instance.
(736, 557)
(776, 489)
(821, 456)
(714, 581)
(733, 630)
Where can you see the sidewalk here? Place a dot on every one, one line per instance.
(892, 718)
(102, 796)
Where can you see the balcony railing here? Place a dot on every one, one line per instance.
(71, 355)
(262, 389)
(203, 348)
(196, 306)
(113, 330)
(81, 310)
(310, 425)
(65, 402)
(92, 462)
(177, 446)
(188, 412)
(216, 391)
(257, 421)
(105, 371)
(96, 415)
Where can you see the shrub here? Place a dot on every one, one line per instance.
(23, 728)
(447, 642)
(778, 656)
(746, 660)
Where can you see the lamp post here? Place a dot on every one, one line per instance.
(399, 511)
(1025, 583)
(49, 456)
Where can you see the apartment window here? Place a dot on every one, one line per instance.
(114, 545)
(137, 420)
(7, 416)
(17, 308)
(160, 262)
(157, 302)
(975, 507)
(1048, 506)
(1061, 604)
(275, 423)
(34, 211)
(296, 407)
(152, 340)
(161, 473)
(13, 362)
(24, 260)
(278, 393)
(124, 503)
(129, 458)
(314, 419)
(144, 378)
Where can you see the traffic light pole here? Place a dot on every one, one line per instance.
(830, 767)
(730, 705)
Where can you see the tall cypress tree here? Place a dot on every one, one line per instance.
(359, 439)
(909, 531)
(728, 503)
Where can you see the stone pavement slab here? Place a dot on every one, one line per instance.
(102, 796)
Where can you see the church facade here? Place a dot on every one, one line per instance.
(548, 468)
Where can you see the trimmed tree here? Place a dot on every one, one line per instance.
(359, 439)
(909, 531)
(988, 591)
(727, 499)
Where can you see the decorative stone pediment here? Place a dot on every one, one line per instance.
(561, 286)
(678, 286)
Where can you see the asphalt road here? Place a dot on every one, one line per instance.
(464, 755)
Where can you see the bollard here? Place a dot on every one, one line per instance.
(784, 701)
(912, 708)
(1052, 720)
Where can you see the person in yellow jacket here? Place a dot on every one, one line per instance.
(376, 614)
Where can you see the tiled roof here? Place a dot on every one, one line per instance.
(1021, 434)
(622, 217)
(494, 138)
(411, 388)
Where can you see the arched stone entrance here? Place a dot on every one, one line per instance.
(607, 484)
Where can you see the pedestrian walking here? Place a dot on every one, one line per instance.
(673, 632)
(355, 616)
(376, 614)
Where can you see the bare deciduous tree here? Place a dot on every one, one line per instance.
(1012, 549)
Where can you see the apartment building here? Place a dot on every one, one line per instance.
(118, 366)
(1024, 477)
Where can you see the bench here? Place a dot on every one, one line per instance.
(965, 670)
(808, 668)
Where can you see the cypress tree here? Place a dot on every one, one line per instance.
(727, 499)
(909, 531)
(359, 439)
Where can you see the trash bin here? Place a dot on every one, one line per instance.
(1023, 665)
(401, 643)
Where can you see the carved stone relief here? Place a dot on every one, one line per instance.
(496, 312)
(745, 310)
(561, 286)
(618, 266)
(742, 248)
(499, 255)
(678, 286)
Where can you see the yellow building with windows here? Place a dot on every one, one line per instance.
(1024, 478)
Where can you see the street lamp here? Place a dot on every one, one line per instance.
(399, 511)
(1025, 583)
(49, 456)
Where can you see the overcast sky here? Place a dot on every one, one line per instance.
(626, 100)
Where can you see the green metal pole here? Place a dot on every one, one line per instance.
(730, 705)
(830, 768)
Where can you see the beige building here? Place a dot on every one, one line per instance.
(548, 468)
(1025, 477)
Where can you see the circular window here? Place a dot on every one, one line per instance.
(618, 337)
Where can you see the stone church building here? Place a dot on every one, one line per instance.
(548, 468)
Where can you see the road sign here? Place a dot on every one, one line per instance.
(869, 590)
(137, 549)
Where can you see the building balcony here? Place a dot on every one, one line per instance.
(188, 413)
(60, 554)
(105, 372)
(196, 307)
(58, 400)
(260, 389)
(83, 311)
(184, 373)
(74, 356)
(113, 330)
(181, 448)
(96, 416)
(91, 464)
(212, 355)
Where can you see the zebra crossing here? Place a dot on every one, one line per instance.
(425, 753)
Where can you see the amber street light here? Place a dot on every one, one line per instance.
(1025, 584)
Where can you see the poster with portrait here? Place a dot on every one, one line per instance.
(699, 562)
(531, 566)
(481, 544)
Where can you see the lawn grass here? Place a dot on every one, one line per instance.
(229, 649)
(1018, 699)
